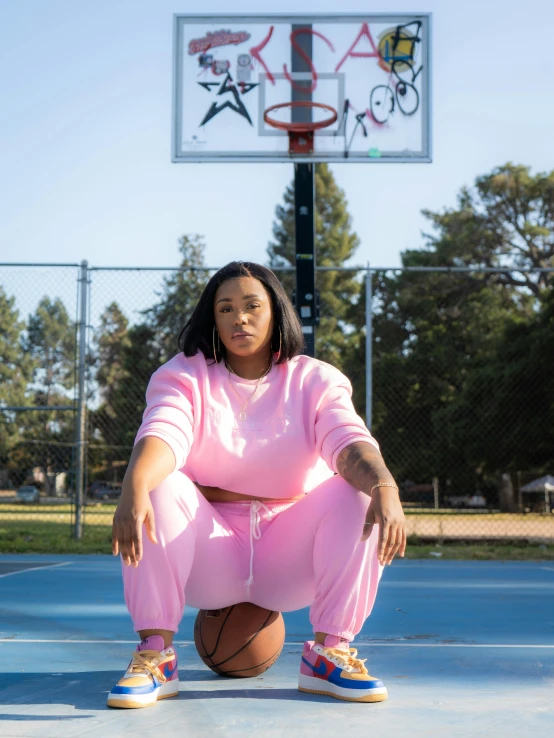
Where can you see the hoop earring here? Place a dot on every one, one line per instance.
(218, 344)
(280, 343)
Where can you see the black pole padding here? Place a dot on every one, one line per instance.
(304, 221)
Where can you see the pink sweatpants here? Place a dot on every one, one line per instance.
(279, 555)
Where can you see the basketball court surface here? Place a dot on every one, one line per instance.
(465, 649)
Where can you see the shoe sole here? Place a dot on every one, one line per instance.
(169, 689)
(313, 686)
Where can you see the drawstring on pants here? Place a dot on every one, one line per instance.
(255, 533)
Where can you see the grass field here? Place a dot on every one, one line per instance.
(94, 515)
(38, 529)
(457, 535)
(32, 536)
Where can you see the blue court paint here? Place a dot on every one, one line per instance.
(465, 648)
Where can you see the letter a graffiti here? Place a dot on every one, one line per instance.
(364, 32)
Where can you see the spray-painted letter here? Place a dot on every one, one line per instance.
(255, 53)
(300, 51)
(360, 54)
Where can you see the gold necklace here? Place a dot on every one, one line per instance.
(242, 413)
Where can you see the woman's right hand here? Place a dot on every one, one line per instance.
(150, 463)
(134, 510)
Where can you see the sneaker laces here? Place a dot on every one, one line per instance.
(147, 661)
(348, 658)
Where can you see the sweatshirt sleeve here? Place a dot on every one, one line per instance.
(169, 413)
(337, 424)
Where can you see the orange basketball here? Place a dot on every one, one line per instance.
(242, 640)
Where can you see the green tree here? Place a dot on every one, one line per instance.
(512, 393)
(505, 220)
(180, 294)
(335, 244)
(430, 333)
(438, 336)
(140, 357)
(114, 425)
(51, 343)
(16, 369)
(48, 435)
(111, 340)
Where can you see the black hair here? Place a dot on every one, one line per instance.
(198, 331)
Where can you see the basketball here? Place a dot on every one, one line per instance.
(243, 640)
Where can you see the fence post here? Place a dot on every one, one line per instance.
(368, 350)
(81, 406)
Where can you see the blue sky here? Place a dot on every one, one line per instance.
(86, 117)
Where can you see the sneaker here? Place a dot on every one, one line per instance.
(151, 676)
(338, 673)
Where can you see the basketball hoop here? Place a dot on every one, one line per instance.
(301, 135)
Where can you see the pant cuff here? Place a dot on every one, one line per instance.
(334, 630)
(155, 625)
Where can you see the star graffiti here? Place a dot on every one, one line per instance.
(228, 87)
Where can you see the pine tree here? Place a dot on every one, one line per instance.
(181, 292)
(335, 244)
(111, 340)
(109, 343)
(15, 373)
(140, 357)
(50, 342)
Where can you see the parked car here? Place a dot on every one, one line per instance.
(28, 493)
(468, 501)
(104, 491)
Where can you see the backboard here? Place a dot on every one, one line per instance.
(374, 70)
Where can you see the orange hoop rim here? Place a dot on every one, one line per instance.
(300, 127)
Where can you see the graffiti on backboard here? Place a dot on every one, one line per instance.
(395, 51)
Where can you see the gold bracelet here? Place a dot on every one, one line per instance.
(383, 484)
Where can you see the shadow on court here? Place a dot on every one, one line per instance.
(42, 718)
(87, 691)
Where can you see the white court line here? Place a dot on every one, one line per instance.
(301, 643)
(35, 568)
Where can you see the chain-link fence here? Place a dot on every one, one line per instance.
(38, 396)
(454, 384)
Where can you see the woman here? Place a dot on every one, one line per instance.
(255, 481)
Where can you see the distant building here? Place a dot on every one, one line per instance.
(53, 483)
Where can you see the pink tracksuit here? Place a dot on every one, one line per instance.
(278, 554)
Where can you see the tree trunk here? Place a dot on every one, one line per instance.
(506, 494)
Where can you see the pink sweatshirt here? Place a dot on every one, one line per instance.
(296, 425)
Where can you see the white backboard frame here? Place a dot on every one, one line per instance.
(191, 147)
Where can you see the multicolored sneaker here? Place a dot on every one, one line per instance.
(151, 676)
(338, 673)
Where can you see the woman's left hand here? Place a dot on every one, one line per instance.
(385, 509)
